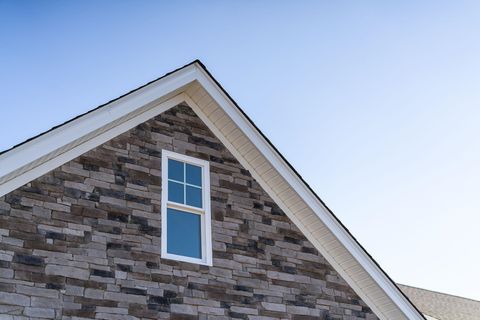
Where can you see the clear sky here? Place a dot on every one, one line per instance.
(376, 103)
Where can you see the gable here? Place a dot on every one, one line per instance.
(193, 85)
(92, 227)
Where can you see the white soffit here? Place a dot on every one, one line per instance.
(195, 86)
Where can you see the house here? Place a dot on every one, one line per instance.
(169, 203)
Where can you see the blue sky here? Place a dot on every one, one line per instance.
(376, 103)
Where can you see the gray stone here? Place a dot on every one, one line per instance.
(123, 297)
(35, 291)
(14, 299)
(65, 271)
(274, 306)
(184, 309)
(39, 312)
(46, 302)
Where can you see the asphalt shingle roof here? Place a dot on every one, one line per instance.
(441, 306)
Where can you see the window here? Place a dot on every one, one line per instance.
(186, 225)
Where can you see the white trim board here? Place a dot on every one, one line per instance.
(194, 85)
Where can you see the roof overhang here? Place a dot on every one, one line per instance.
(194, 85)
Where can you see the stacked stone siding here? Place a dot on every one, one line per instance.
(83, 241)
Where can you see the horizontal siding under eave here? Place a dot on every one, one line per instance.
(228, 128)
(204, 100)
(342, 255)
(244, 145)
(389, 310)
(208, 101)
(222, 122)
(291, 198)
(325, 238)
(252, 154)
(235, 134)
(240, 141)
(377, 294)
(278, 180)
(366, 282)
(246, 148)
(354, 270)
(298, 206)
(334, 247)
(349, 263)
(263, 168)
(225, 124)
(281, 187)
(194, 89)
(217, 114)
(392, 312)
(311, 218)
(287, 193)
(315, 227)
(270, 174)
(210, 108)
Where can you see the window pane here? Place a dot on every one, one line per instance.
(175, 170)
(184, 233)
(175, 192)
(194, 175)
(194, 196)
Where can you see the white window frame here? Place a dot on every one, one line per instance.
(205, 212)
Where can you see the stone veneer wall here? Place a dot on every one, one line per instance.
(83, 241)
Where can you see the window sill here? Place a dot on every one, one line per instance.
(171, 256)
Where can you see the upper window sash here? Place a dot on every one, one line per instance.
(186, 182)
